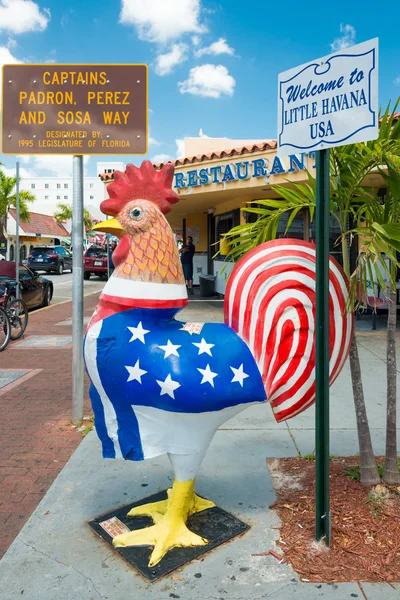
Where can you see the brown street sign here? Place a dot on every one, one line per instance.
(74, 109)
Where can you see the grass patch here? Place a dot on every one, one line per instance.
(353, 471)
(85, 430)
(313, 457)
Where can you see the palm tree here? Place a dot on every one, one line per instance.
(64, 213)
(350, 165)
(381, 220)
(8, 198)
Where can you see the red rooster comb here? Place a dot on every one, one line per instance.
(145, 183)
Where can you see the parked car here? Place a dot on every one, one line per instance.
(50, 258)
(95, 262)
(34, 290)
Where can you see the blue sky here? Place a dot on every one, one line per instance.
(212, 65)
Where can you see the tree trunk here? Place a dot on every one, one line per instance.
(391, 474)
(368, 469)
(3, 227)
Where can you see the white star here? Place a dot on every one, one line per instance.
(135, 373)
(170, 349)
(138, 333)
(238, 375)
(208, 375)
(204, 347)
(168, 386)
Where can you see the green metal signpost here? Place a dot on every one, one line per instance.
(322, 511)
(328, 102)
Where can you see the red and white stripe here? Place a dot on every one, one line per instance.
(270, 303)
(144, 294)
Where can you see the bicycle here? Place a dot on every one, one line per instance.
(17, 313)
(5, 329)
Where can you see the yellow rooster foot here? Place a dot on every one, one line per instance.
(156, 510)
(164, 536)
(169, 517)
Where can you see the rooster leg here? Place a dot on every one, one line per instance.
(170, 530)
(156, 510)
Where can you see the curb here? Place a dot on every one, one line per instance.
(38, 310)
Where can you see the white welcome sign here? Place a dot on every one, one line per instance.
(329, 102)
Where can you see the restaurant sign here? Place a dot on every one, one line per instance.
(331, 101)
(240, 170)
(74, 109)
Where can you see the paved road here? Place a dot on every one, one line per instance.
(63, 286)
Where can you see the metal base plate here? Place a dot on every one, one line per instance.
(214, 524)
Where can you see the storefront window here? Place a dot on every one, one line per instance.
(12, 252)
(296, 229)
(22, 253)
(224, 224)
(335, 246)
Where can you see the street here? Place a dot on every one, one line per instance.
(63, 286)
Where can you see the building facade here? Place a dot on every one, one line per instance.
(214, 185)
(51, 191)
(40, 230)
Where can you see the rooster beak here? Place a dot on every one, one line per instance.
(110, 226)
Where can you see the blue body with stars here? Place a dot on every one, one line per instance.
(193, 372)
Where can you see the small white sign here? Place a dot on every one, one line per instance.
(329, 102)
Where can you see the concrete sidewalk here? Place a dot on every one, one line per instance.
(57, 555)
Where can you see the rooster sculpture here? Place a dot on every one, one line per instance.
(163, 386)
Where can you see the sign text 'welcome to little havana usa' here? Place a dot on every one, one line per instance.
(74, 109)
(329, 102)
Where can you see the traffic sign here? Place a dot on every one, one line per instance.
(74, 109)
(331, 101)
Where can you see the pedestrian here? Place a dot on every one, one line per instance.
(187, 252)
(111, 249)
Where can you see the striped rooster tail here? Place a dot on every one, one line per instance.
(270, 303)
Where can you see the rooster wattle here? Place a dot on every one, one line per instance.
(162, 386)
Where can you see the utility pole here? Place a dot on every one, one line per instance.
(77, 291)
(17, 230)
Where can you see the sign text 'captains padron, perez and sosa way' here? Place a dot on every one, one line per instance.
(330, 101)
(74, 109)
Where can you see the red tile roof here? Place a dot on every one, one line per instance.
(268, 145)
(44, 224)
(396, 116)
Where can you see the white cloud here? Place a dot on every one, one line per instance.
(165, 63)
(160, 20)
(180, 148)
(208, 80)
(397, 81)
(218, 47)
(196, 39)
(6, 58)
(52, 165)
(23, 173)
(11, 43)
(347, 39)
(152, 141)
(20, 16)
(161, 158)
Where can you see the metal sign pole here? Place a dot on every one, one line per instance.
(108, 252)
(322, 511)
(77, 291)
(17, 257)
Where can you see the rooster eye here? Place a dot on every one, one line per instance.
(136, 213)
